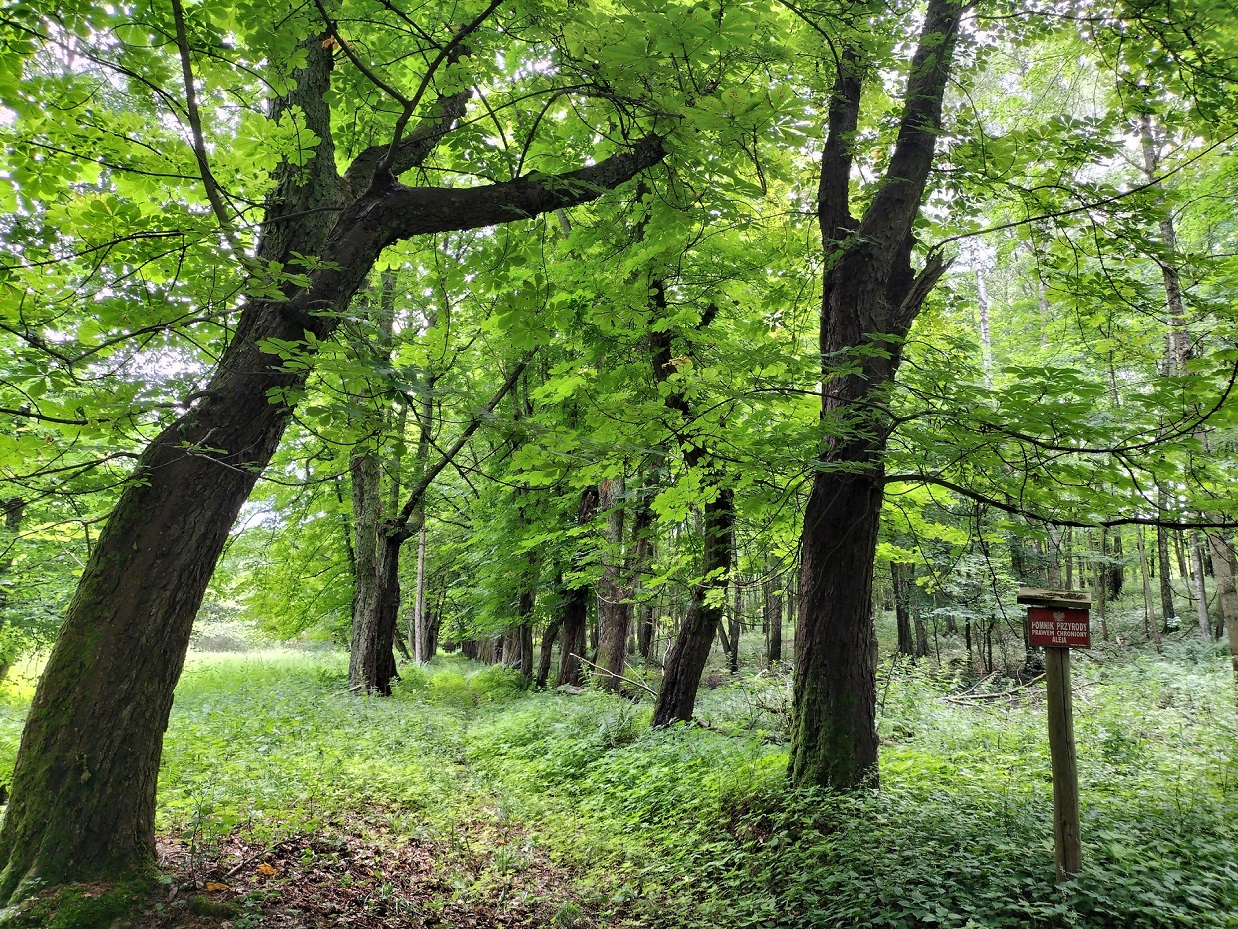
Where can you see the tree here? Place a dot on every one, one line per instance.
(83, 792)
(871, 297)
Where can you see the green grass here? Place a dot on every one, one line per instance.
(696, 827)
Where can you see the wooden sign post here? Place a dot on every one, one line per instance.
(1059, 620)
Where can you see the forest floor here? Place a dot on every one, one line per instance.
(467, 801)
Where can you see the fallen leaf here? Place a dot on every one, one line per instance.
(266, 870)
(214, 887)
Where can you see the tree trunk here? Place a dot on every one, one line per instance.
(1201, 589)
(1163, 570)
(576, 610)
(14, 509)
(544, 654)
(736, 619)
(686, 659)
(773, 619)
(613, 597)
(420, 627)
(902, 576)
(1151, 625)
(871, 296)
(1225, 569)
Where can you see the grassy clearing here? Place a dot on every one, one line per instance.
(566, 810)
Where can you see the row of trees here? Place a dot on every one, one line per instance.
(536, 285)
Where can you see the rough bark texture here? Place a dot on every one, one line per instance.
(871, 296)
(83, 791)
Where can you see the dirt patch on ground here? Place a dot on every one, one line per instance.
(357, 876)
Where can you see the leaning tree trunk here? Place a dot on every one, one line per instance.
(871, 296)
(83, 787)
(685, 661)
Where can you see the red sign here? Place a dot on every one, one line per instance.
(1060, 627)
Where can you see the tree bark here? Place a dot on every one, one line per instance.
(903, 577)
(83, 790)
(871, 296)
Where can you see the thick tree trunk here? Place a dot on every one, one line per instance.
(686, 659)
(834, 721)
(871, 296)
(903, 577)
(575, 636)
(371, 661)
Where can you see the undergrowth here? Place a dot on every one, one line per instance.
(695, 826)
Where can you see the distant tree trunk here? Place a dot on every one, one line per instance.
(1102, 587)
(902, 577)
(773, 618)
(14, 509)
(1201, 590)
(1068, 558)
(576, 610)
(1163, 569)
(1053, 560)
(1151, 626)
(420, 638)
(922, 645)
(687, 657)
(1225, 569)
(871, 296)
(736, 618)
(614, 601)
(685, 662)
(1116, 572)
